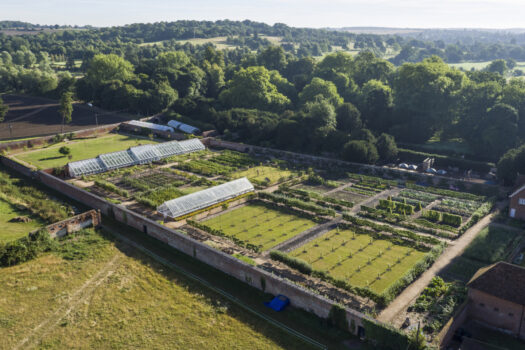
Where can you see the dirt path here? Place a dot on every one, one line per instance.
(453, 250)
(392, 192)
(78, 297)
(337, 189)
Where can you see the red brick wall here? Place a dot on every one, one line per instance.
(495, 312)
(514, 204)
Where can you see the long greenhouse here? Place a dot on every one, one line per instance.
(135, 155)
(199, 200)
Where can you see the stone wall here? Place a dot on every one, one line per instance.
(16, 166)
(91, 218)
(447, 333)
(256, 277)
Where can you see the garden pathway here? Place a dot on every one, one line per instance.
(337, 189)
(392, 192)
(454, 249)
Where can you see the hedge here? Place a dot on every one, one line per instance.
(25, 248)
(451, 219)
(384, 336)
(431, 215)
(408, 155)
(387, 228)
(294, 202)
(291, 261)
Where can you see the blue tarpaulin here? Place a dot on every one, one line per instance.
(278, 303)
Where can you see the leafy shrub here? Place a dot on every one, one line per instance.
(432, 215)
(111, 188)
(25, 248)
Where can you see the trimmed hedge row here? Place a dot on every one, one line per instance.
(478, 214)
(397, 220)
(221, 233)
(398, 207)
(387, 228)
(296, 263)
(297, 203)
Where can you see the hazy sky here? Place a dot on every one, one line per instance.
(303, 13)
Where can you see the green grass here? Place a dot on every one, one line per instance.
(80, 149)
(264, 173)
(259, 225)
(493, 244)
(463, 269)
(140, 304)
(354, 258)
(20, 139)
(14, 230)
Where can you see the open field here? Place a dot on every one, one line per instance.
(94, 293)
(259, 225)
(80, 149)
(264, 174)
(359, 259)
(36, 116)
(14, 230)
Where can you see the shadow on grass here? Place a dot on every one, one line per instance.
(51, 158)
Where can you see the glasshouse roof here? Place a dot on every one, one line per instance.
(205, 198)
(151, 126)
(133, 156)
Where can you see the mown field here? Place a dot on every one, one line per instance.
(259, 225)
(359, 259)
(14, 230)
(49, 157)
(94, 293)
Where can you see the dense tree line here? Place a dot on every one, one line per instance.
(354, 106)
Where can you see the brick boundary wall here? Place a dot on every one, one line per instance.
(254, 276)
(75, 223)
(324, 161)
(458, 319)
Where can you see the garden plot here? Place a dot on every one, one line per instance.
(259, 225)
(265, 175)
(359, 259)
(222, 163)
(151, 180)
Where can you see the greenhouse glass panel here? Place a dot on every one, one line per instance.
(86, 167)
(145, 154)
(116, 160)
(151, 126)
(205, 198)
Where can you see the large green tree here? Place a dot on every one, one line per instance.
(320, 88)
(3, 109)
(252, 88)
(66, 108)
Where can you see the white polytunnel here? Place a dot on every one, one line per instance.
(205, 198)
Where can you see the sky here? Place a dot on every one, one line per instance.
(299, 13)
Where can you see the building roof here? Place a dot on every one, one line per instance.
(521, 188)
(502, 280)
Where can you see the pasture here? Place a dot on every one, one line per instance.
(49, 157)
(259, 225)
(95, 293)
(359, 259)
(14, 230)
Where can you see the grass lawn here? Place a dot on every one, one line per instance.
(355, 258)
(260, 225)
(14, 230)
(493, 244)
(463, 269)
(49, 157)
(134, 303)
(264, 173)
